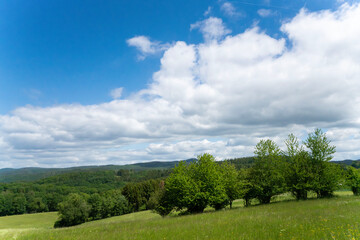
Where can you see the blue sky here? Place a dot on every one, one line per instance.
(109, 75)
(54, 52)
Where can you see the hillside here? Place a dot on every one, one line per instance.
(335, 218)
(32, 174)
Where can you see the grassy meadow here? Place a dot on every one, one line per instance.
(336, 218)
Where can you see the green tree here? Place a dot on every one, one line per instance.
(133, 192)
(73, 211)
(266, 176)
(19, 204)
(319, 145)
(149, 187)
(119, 204)
(194, 186)
(208, 176)
(353, 180)
(35, 205)
(327, 175)
(52, 199)
(182, 191)
(230, 178)
(248, 191)
(299, 171)
(96, 202)
(161, 202)
(7, 203)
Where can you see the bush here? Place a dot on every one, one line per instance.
(353, 180)
(193, 187)
(73, 211)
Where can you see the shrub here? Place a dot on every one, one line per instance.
(353, 180)
(193, 187)
(73, 211)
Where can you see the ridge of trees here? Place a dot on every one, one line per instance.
(30, 174)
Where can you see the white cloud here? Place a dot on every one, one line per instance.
(219, 96)
(212, 28)
(208, 11)
(116, 93)
(145, 46)
(228, 9)
(265, 12)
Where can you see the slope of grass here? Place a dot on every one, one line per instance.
(336, 218)
(37, 220)
(11, 226)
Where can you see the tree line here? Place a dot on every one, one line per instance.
(79, 208)
(300, 169)
(45, 194)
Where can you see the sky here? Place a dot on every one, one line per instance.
(118, 82)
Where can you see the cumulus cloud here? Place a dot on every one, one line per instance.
(145, 46)
(220, 96)
(212, 28)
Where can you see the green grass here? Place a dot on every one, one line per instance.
(11, 226)
(336, 218)
(38, 220)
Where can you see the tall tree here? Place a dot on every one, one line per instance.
(327, 175)
(230, 178)
(320, 147)
(266, 176)
(299, 171)
(133, 192)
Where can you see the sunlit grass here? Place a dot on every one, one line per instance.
(12, 226)
(336, 218)
(38, 220)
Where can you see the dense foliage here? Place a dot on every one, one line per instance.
(74, 210)
(353, 180)
(139, 194)
(191, 188)
(266, 176)
(196, 185)
(79, 208)
(45, 194)
(138, 170)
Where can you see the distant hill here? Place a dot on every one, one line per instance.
(33, 173)
(353, 163)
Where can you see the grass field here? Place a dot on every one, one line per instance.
(11, 226)
(337, 218)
